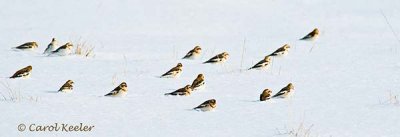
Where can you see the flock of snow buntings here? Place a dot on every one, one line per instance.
(175, 72)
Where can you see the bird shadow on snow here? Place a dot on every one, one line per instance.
(258, 101)
(197, 111)
(191, 110)
(51, 91)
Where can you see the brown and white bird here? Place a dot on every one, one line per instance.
(174, 72)
(198, 83)
(285, 92)
(313, 35)
(207, 105)
(220, 58)
(64, 50)
(51, 47)
(67, 87)
(119, 91)
(265, 95)
(263, 64)
(193, 54)
(281, 51)
(185, 91)
(23, 73)
(27, 46)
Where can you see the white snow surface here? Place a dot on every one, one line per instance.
(341, 86)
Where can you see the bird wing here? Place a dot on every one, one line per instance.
(180, 91)
(114, 92)
(25, 46)
(189, 54)
(281, 49)
(196, 82)
(204, 104)
(20, 73)
(307, 36)
(215, 59)
(201, 106)
(280, 93)
(66, 85)
(259, 64)
(48, 47)
(171, 71)
(60, 48)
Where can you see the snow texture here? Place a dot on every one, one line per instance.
(341, 86)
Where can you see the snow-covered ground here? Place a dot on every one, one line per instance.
(341, 86)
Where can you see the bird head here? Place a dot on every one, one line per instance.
(123, 86)
(213, 102)
(29, 68)
(70, 82)
(197, 49)
(225, 54)
(267, 58)
(34, 44)
(290, 85)
(200, 76)
(187, 88)
(286, 46)
(267, 91)
(315, 31)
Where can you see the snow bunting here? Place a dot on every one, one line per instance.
(27, 46)
(207, 105)
(119, 91)
(51, 47)
(67, 87)
(284, 92)
(193, 54)
(281, 51)
(265, 95)
(312, 35)
(174, 72)
(198, 83)
(185, 91)
(263, 63)
(64, 50)
(24, 73)
(220, 58)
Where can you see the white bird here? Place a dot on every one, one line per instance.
(193, 54)
(174, 72)
(64, 50)
(27, 46)
(263, 63)
(22, 73)
(67, 87)
(285, 92)
(185, 91)
(284, 50)
(198, 83)
(312, 35)
(207, 105)
(51, 47)
(119, 91)
(265, 95)
(220, 58)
